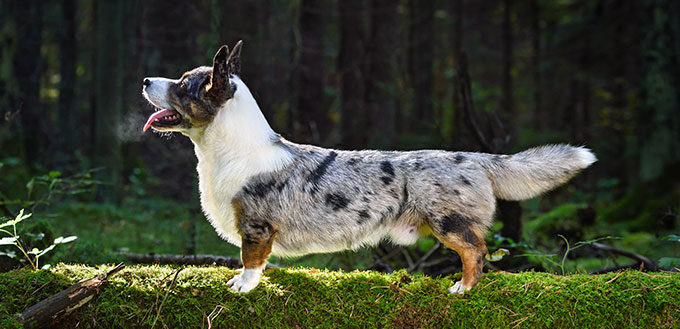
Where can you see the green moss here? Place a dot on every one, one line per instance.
(301, 297)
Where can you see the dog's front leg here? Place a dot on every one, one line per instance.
(256, 245)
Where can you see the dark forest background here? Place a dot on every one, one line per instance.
(493, 76)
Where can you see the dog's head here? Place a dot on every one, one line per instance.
(192, 101)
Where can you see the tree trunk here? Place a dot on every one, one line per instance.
(380, 81)
(421, 53)
(68, 56)
(457, 42)
(314, 124)
(508, 102)
(537, 119)
(109, 94)
(509, 212)
(27, 68)
(349, 66)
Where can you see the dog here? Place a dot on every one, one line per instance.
(270, 196)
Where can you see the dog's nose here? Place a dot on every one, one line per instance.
(146, 82)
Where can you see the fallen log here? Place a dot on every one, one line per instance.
(167, 259)
(53, 309)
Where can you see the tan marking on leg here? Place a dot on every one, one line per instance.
(472, 256)
(254, 254)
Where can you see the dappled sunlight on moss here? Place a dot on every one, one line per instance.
(308, 297)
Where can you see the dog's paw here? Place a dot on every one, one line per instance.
(245, 281)
(458, 288)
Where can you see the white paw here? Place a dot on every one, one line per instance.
(458, 288)
(245, 281)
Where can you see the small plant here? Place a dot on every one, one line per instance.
(550, 258)
(670, 261)
(32, 256)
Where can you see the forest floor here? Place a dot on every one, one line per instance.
(147, 296)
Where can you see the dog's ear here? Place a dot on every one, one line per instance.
(220, 72)
(234, 60)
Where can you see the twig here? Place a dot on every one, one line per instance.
(158, 312)
(380, 266)
(615, 268)
(407, 256)
(214, 315)
(424, 258)
(648, 264)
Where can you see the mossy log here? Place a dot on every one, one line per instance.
(60, 305)
(139, 296)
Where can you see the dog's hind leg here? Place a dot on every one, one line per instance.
(466, 238)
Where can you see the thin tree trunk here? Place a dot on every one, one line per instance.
(421, 53)
(508, 102)
(314, 124)
(457, 51)
(27, 67)
(68, 53)
(109, 94)
(536, 63)
(509, 212)
(380, 80)
(349, 66)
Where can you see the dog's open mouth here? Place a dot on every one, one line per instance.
(163, 118)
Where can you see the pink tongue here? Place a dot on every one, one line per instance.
(157, 115)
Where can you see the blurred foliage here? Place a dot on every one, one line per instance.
(598, 73)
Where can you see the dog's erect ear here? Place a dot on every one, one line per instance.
(234, 60)
(220, 73)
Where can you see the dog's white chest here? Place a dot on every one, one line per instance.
(217, 190)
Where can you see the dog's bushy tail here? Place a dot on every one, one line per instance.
(537, 170)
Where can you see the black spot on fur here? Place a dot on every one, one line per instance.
(316, 175)
(282, 185)
(456, 192)
(248, 239)
(465, 180)
(453, 223)
(459, 225)
(352, 161)
(387, 168)
(437, 184)
(259, 189)
(386, 180)
(336, 201)
(418, 166)
(363, 216)
(459, 158)
(404, 202)
(256, 232)
(365, 199)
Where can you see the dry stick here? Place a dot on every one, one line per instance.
(616, 268)
(648, 264)
(158, 311)
(214, 315)
(424, 258)
(52, 309)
